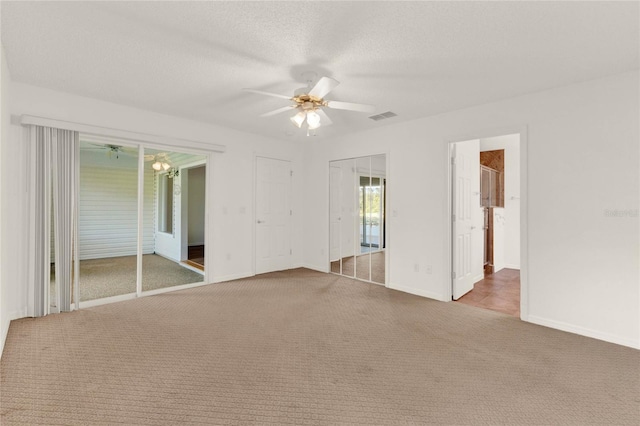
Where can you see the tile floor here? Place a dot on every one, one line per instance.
(498, 292)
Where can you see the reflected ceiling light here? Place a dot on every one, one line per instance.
(157, 166)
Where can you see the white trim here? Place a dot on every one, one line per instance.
(107, 300)
(315, 268)
(210, 197)
(232, 277)
(117, 133)
(140, 242)
(14, 315)
(582, 331)
(173, 288)
(416, 292)
(191, 268)
(510, 266)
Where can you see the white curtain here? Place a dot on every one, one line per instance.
(56, 159)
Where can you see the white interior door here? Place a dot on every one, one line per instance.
(465, 197)
(335, 186)
(273, 215)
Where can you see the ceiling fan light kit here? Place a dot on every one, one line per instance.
(157, 166)
(309, 102)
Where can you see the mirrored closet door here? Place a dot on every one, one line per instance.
(357, 234)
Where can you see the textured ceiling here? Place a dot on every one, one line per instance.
(192, 59)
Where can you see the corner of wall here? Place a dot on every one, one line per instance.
(4, 81)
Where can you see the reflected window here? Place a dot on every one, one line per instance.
(165, 203)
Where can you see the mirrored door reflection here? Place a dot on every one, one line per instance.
(357, 217)
(342, 205)
(363, 260)
(107, 220)
(173, 249)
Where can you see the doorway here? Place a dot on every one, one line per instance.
(485, 222)
(193, 199)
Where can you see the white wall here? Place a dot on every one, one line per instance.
(499, 239)
(231, 199)
(12, 203)
(511, 146)
(4, 126)
(108, 206)
(582, 265)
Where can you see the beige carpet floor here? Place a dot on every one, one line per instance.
(302, 347)
(114, 276)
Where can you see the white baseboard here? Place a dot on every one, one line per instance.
(315, 267)
(3, 337)
(417, 292)
(512, 266)
(582, 331)
(105, 300)
(232, 277)
(478, 278)
(174, 288)
(5, 327)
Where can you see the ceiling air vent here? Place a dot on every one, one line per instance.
(383, 116)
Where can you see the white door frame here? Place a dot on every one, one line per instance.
(522, 131)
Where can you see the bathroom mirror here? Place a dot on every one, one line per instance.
(357, 230)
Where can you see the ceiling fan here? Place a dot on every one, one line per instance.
(108, 148)
(160, 160)
(309, 103)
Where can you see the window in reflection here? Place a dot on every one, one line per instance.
(356, 217)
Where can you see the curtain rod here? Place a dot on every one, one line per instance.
(26, 120)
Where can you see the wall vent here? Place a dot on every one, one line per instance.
(383, 116)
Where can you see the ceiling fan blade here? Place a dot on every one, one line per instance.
(278, 111)
(349, 106)
(324, 118)
(275, 95)
(323, 86)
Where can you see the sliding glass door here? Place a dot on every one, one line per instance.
(108, 220)
(141, 219)
(173, 214)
